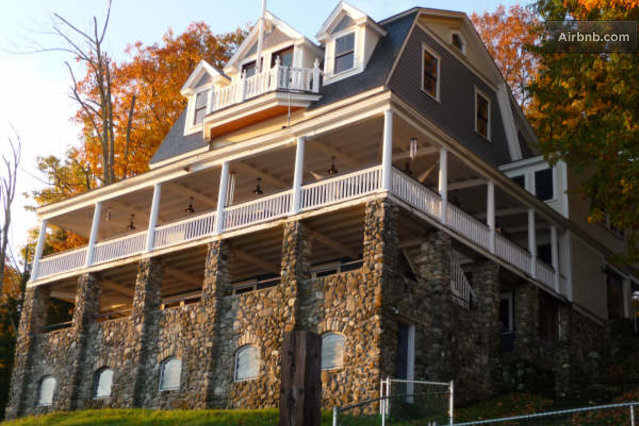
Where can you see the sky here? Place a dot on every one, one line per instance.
(34, 88)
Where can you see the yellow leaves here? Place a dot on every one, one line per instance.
(590, 5)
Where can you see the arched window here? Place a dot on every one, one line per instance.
(170, 374)
(247, 363)
(46, 391)
(332, 351)
(103, 383)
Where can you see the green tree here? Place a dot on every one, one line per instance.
(585, 109)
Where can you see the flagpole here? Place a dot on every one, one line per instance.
(260, 40)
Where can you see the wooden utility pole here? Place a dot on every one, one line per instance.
(301, 384)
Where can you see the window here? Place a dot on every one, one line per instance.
(201, 100)
(430, 73)
(457, 41)
(506, 312)
(544, 253)
(344, 53)
(543, 185)
(482, 115)
(520, 180)
(46, 391)
(285, 55)
(247, 363)
(332, 351)
(170, 374)
(103, 383)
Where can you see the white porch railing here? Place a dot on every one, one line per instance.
(545, 273)
(185, 230)
(341, 188)
(62, 262)
(279, 77)
(468, 226)
(512, 253)
(325, 192)
(460, 286)
(263, 209)
(119, 247)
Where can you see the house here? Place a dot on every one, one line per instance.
(381, 188)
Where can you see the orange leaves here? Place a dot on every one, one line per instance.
(507, 33)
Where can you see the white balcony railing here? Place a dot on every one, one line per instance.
(279, 77)
(118, 248)
(328, 191)
(260, 210)
(185, 230)
(341, 188)
(62, 262)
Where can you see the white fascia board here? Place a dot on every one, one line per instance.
(201, 68)
(509, 122)
(527, 162)
(341, 9)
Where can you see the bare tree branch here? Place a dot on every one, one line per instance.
(11, 162)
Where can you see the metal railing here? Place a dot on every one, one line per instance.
(460, 286)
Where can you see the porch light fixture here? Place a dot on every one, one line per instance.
(258, 187)
(332, 170)
(108, 215)
(190, 209)
(131, 226)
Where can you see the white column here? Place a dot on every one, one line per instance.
(93, 237)
(490, 213)
(532, 243)
(443, 181)
(153, 216)
(387, 150)
(298, 176)
(554, 256)
(221, 198)
(38, 251)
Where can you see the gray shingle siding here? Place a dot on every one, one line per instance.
(455, 113)
(175, 143)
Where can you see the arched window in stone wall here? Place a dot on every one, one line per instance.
(332, 351)
(103, 383)
(46, 390)
(170, 374)
(247, 363)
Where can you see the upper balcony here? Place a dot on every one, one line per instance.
(252, 193)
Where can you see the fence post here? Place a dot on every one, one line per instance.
(451, 404)
(335, 415)
(632, 415)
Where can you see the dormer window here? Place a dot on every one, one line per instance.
(344, 53)
(285, 55)
(457, 40)
(201, 101)
(249, 68)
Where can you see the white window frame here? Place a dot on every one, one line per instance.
(334, 54)
(190, 127)
(341, 365)
(237, 364)
(509, 296)
(162, 372)
(479, 92)
(48, 402)
(98, 377)
(463, 41)
(426, 48)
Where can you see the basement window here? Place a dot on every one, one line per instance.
(506, 312)
(103, 383)
(332, 351)
(46, 390)
(170, 374)
(247, 363)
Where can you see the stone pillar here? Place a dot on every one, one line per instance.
(32, 321)
(485, 281)
(87, 305)
(143, 339)
(217, 303)
(380, 253)
(563, 358)
(295, 278)
(433, 266)
(526, 320)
